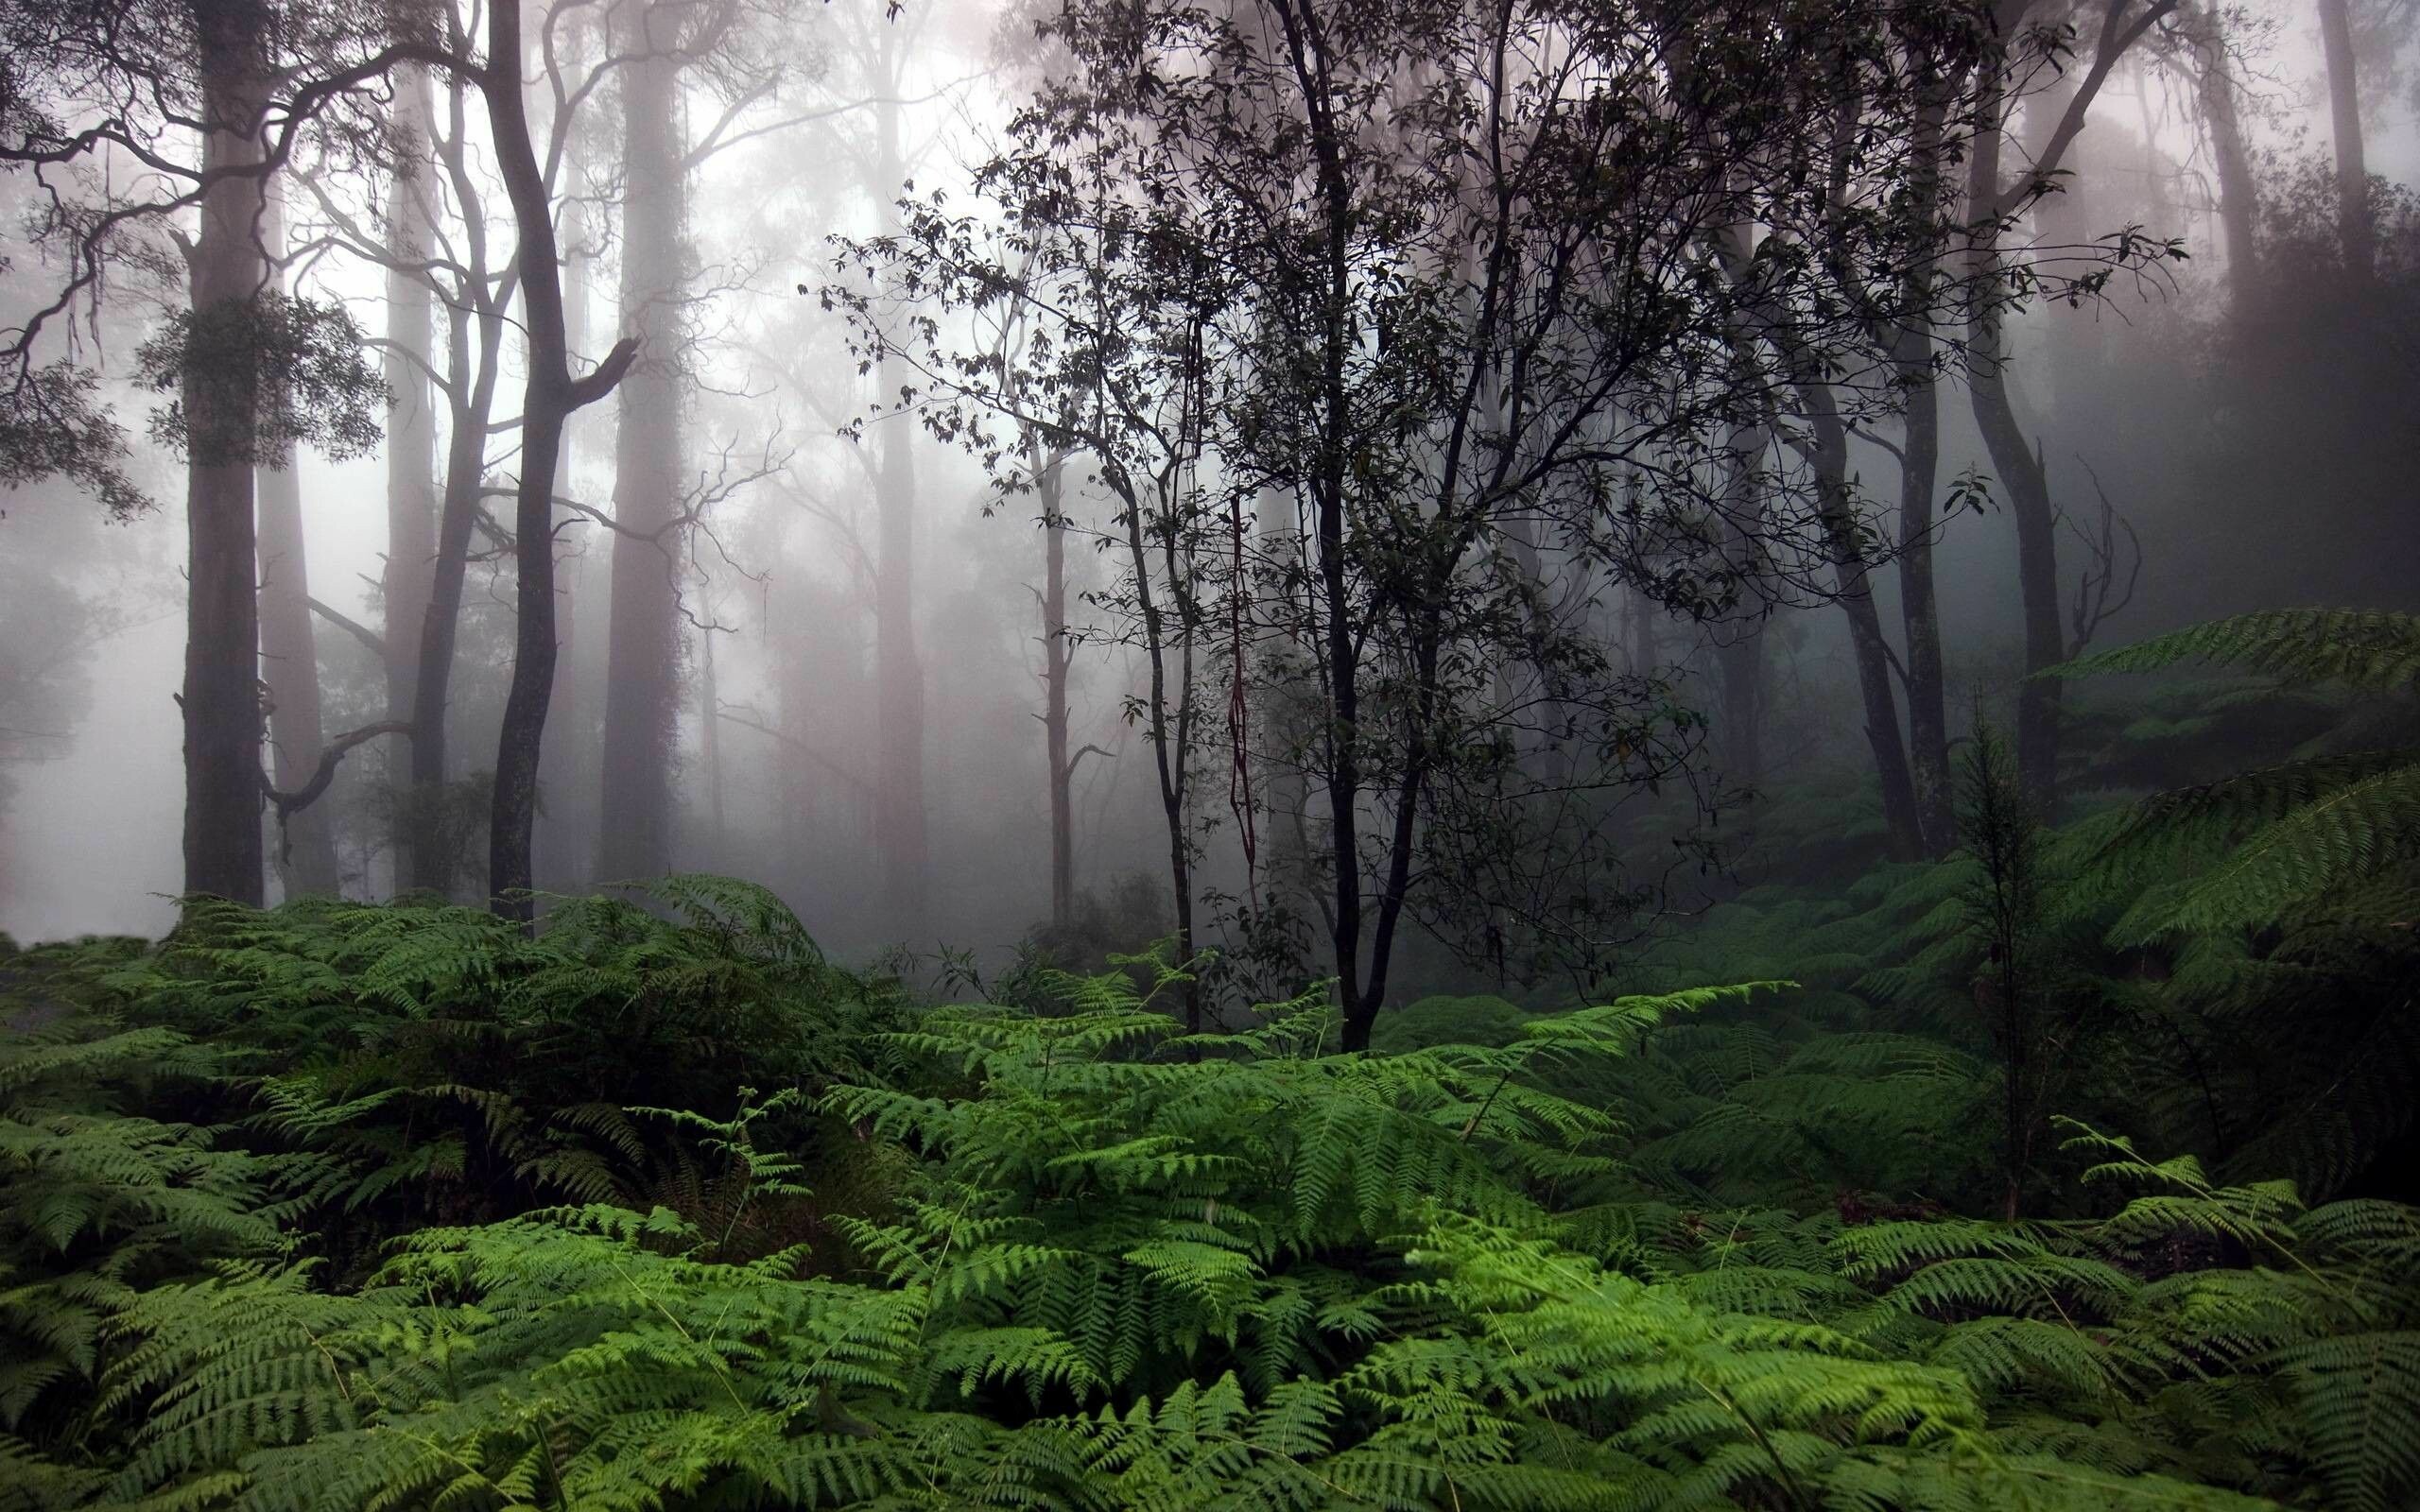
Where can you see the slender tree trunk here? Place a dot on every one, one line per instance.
(306, 858)
(550, 397)
(643, 654)
(1742, 660)
(899, 675)
(1919, 480)
(564, 848)
(2239, 192)
(473, 375)
(2016, 462)
(1056, 654)
(710, 734)
(2353, 229)
(411, 437)
(221, 694)
(1853, 589)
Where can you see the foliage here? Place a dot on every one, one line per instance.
(1103, 1263)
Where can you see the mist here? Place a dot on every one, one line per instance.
(1264, 753)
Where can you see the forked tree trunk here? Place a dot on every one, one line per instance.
(2015, 461)
(550, 397)
(221, 698)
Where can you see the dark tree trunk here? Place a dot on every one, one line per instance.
(306, 856)
(548, 399)
(2353, 229)
(474, 376)
(1828, 451)
(411, 439)
(221, 698)
(643, 653)
(2018, 465)
(1919, 480)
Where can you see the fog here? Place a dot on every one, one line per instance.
(847, 597)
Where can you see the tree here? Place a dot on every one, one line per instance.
(307, 852)
(668, 44)
(1996, 201)
(2354, 229)
(1445, 281)
(548, 398)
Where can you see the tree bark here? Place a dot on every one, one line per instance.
(1913, 352)
(2239, 192)
(899, 829)
(2353, 229)
(1852, 589)
(221, 693)
(568, 780)
(550, 397)
(306, 854)
(475, 348)
(411, 437)
(2016, 462)
(643, 651)
(1056, 654)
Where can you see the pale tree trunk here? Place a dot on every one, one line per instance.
(2352, 229)
(306, 854)
(548, 398)
(221, 693)
(1056, 655)
(2221, 117)
(564, 837)
(411, 435)
(899, 829)
(643, 648)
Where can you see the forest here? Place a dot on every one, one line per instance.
(1246, 754)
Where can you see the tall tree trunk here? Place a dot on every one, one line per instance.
(306, 857)
(2239, 192)
(564, 843)
(1853, 589)
(411, 435)
(1056, 655)
(710, 733)
(2018, 466)
(2352, 229)
(899, 833)
(221, 694)
(899, 827)
(1919, 478)
(643, 651)
(473, 368)
(548, 398)
(1742, 660)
